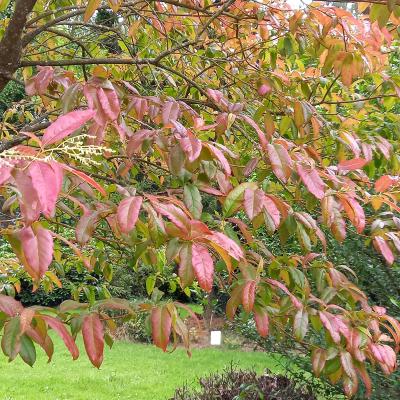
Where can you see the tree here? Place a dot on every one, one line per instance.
(204, 126)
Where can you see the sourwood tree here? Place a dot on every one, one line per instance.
(175, 134)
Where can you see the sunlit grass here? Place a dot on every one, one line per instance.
(129, 371)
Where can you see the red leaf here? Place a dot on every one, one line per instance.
(353, 164)
(311, 180)
(85, 178)
(59, 327)
(65, 125)
(381, 245)
(253, 202)
(262, 321)
(128, 213)
(385, 182)
(355, 212)
(203, 266)
(248, 295)
(37, 249)
(93, 338)
(161, 323)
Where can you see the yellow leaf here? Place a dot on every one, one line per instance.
(92, 6)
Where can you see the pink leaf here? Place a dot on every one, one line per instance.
(85, 178)
(93, 338)
(217, 153)
(128, 213)
(10, 306)
(253, 202)
(37, 248)
(248, 295)
(65, 125)
(227, 244)
(191, 146)
(353, 164)
(203, 266)
(59, 327)
(281, 162)
(47, 181)
(262, 321)
(175, 215)
(311, 180)
(109, 103)
(381, 245)
(271, 208)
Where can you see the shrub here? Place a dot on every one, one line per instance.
(235, 384)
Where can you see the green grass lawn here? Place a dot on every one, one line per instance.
(130, 371)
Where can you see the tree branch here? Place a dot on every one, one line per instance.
(11, 43)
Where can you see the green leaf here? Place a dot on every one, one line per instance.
(234, 199)
(150, 283)
(192, 199)
(380, 13)
(27, 351)
(4, 4)
(300, 324)
(10, 342)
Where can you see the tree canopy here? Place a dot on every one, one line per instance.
(181, 133)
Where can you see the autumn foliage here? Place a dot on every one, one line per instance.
(246, 118)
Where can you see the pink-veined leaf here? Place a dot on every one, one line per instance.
(219, 155)
(191, 146)
(318, 359)
(175, 215)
